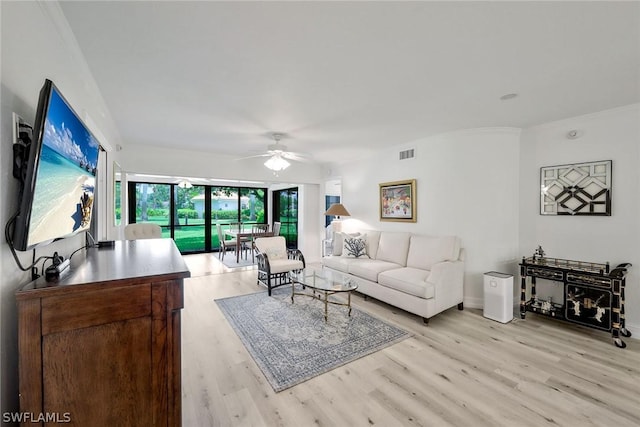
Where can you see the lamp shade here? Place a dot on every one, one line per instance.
(337, 209)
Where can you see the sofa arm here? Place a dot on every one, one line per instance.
(448, 280)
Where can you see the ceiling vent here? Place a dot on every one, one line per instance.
(407, 154)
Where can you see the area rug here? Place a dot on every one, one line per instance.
(292, 343)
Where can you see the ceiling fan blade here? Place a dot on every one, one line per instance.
(299, 157)
(253, 157)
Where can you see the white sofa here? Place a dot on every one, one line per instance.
(419, 274)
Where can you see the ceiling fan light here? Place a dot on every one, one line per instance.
(276, 163)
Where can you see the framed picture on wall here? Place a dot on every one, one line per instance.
(398, 201)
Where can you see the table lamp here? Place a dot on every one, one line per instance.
(338, 211)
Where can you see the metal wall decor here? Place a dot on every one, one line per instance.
(576, 189)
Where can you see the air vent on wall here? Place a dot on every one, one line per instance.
(407, 154)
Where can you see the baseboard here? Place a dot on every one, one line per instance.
(634, 329)
(473, 302)
(470, 302)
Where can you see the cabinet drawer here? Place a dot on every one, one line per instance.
(544, 273)
(95, 307)
(589, 280)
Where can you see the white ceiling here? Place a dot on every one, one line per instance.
(341, 78)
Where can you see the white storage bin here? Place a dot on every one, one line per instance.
(498, 296)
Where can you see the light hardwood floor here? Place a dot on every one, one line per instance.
(460, 370)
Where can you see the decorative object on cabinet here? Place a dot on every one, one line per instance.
(398, 201)
(593, 294)
(576, 189)
(539, 254)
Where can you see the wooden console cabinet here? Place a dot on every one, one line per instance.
(101, 347)
(593, 294)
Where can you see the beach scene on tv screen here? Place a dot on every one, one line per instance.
(66, 176)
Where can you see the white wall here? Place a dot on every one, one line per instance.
(36, 44)
(483, 185)
(309, 239)
(467, 185)
(609, 135)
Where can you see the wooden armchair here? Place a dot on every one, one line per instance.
(275, 261)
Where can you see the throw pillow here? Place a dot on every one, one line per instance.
(354, 247)
(338, 241)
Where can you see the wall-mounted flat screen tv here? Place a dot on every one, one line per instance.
(58, 191)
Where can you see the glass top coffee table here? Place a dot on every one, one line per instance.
(322, 284)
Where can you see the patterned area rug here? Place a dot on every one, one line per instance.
(292, 343)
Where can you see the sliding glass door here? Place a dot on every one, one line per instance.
(235, 204)
(189, 218)
(285, 210)
(191, 214)
(151, 203)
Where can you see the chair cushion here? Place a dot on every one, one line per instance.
(412, 281)
(425, 251)
(393, 247)
(284, 265)
(370, 268)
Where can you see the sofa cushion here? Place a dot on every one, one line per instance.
(370, 268)
(339, 263)
(354, 247)
(412, 281)
(425, 251)
(373, 239)
(393, 247)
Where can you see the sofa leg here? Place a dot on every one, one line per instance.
(425, 320)
(461, 306)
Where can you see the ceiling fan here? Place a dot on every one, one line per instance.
(278, 155)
